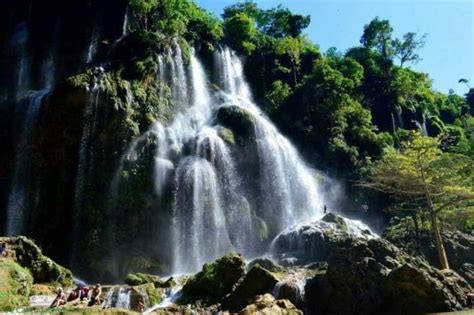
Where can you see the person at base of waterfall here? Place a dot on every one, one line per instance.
(95, 295)
(74, 295)
(3, 250)
(141, 305)
(84, 293)
(60, 299)
(325, 209)
(470, 300)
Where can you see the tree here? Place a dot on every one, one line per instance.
(406, 49)
(292, 48)
(240, 32)
(423, 178)
(280, 22)
(464, 81)
(141, 11)
(378, 34)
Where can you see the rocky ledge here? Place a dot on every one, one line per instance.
(330, 266)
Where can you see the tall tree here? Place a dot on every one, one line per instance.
(378, 34)
(406, 49)
(423, 177)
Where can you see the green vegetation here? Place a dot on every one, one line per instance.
(15, 285)
(215, 280)
(351, 110)
(426, 182)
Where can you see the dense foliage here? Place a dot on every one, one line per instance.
(346, 109)
(349, 109)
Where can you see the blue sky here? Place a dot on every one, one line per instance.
(447, 56)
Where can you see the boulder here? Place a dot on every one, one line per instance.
(374, 277)
(266, 304)
(215, 280)
(291, 290)
(256, 282)
(15, 285)
(43, 269)
(266, 263)
(238, 120)
(312, 242)
(459, 246)
(142, 278)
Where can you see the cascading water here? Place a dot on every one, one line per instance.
(17, 206)
(212, 214)
(84, 165)
(287, 185)
(19, 44)
(93, 44)
(200, 232)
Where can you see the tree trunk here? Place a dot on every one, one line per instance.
(417, 227)
(443, 259)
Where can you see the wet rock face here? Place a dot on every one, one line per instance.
(375, 277)
(266, 263)
(312, 242)
(237, 119)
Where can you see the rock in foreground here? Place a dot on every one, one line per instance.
(375, 277)
(215, 280)
(43, 269)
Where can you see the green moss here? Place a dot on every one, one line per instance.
(237, 119)
(15, 285)
(215, 280)
(43, 269)
(226, 134)
(141, 278)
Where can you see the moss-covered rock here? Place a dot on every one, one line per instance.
(215, 280)
(266, 263)
(237, 119)
(256, 282)
(226, 134)
(42, 268)
(15, 285)
(338, 220)
(141, 278)
(147, 294)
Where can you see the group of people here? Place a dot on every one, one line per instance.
(79, 293)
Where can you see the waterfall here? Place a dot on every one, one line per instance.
(287, 185)
(17, 207)
(125, 23)
(422, 126)
(93, 44)
(84, 166)
(212, 214)
(201, 233)
(19, 44)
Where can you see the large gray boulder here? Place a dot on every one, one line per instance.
(257, 281)
(459, 246)
(374, 277)
(315, 241)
